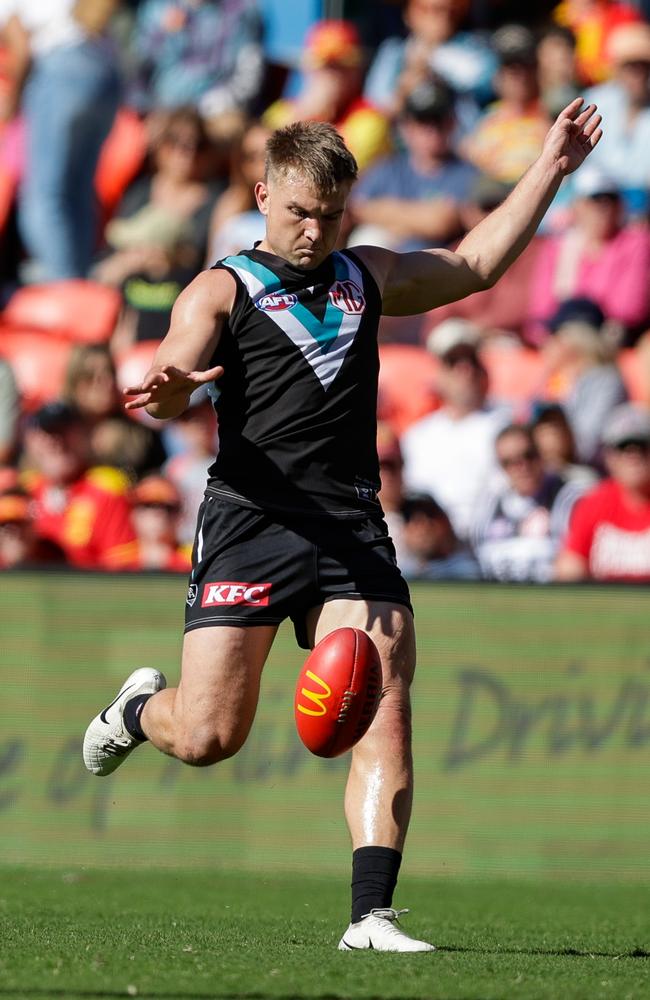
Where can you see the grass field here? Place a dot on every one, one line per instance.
(211, 936)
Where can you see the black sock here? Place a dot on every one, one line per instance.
(374, 877)
(132, 713)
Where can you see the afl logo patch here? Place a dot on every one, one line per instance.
(276, 301)
(348, 297)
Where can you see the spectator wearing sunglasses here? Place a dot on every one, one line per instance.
(518, 532)
(609, 532)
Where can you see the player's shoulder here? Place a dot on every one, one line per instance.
(213, 289)
(377, 260)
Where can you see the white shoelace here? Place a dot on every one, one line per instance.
(387, 913)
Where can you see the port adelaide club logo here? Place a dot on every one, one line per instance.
(348, 297)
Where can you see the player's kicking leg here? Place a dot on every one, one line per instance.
(379, 792)
(205, 719)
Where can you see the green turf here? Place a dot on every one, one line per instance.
(209, 936)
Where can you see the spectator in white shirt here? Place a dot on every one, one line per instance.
(450, 453)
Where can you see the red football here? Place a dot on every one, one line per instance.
(337, 692)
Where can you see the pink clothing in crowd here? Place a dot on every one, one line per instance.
(616, 277)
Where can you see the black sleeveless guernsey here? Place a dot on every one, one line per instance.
(298, 399)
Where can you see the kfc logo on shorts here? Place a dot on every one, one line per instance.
(276, 301)
(228, 592)
(348, 297)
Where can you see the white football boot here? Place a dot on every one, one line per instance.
(379, 931)
(108, 742)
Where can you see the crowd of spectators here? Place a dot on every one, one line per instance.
(514, 433)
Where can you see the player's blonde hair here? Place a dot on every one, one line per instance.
(313, 149)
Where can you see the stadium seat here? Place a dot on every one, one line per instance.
(634, 366)
(516, 373)
(81, 311)
(132, 365)
(39, 362)
(121, 158)
(406, 384)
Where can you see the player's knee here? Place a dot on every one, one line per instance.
(202, 749)
(394, 711)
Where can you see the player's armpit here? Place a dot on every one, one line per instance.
(416, 282)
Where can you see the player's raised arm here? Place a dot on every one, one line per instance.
(417, 282)
(178, 366)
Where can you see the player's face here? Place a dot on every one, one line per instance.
(302, 225)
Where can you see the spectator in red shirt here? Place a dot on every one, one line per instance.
(156, 507)
(83, 509)
(609, 532)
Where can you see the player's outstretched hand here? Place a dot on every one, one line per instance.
(167, 383)
(573, 135)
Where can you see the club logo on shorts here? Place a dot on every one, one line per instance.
(192, 594)
(230, 592)
(348, 297)
(276, 301)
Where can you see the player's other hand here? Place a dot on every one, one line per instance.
(166, 384)
(573, 135)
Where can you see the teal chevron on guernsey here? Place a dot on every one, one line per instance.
(323, 343)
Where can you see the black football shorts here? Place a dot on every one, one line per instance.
(253, 567)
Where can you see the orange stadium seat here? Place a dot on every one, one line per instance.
(121, 158)
(516, 373)
(39, 362)
(406, 384)
(81, 311)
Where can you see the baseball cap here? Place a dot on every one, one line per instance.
(630, 43)
(332, 43)
(514, 44)
(430, 101)
(422, 503)
(53, 418)
(628, 422)
(591, 181)
(463, 353)
(14, 508)
(155, 489)
(577, 310)
(450, 333)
